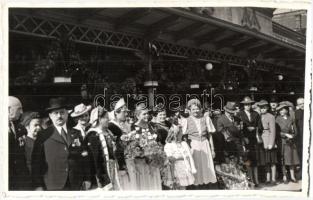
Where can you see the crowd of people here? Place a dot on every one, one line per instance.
(264, 138)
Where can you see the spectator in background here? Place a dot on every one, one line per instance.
(32, 122)
(81, 117)
(299, 113)
(268, 138)
(273, 105)
(286, 128)
(251, 127)
(19, 176)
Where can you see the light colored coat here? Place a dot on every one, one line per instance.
(269, 130)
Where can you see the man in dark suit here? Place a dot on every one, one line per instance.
(19, 177)
(59, 160)
(229, 125)
(299, 125)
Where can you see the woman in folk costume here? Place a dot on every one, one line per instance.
(287, 129)
(101, 148)
(179, 154)
(119, 126)
(148, 177)
(161, 125)
(251, 126)
(268, 137)
(81, 117)
(198, 129)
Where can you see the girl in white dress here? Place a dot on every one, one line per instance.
(178, 152)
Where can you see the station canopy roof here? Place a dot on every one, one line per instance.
(174, 31)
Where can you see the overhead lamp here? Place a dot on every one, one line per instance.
(151, 83)
(62, 79)
(194, 86)
(209, 66)
(280, 77)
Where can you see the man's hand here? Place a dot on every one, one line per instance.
(269, 147)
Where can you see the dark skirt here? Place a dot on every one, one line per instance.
(257, 155)
(290, 154)
(271, 156)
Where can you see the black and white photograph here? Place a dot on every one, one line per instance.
(105, 99)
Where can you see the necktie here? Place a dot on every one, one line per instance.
(63, 134)
(12, 128)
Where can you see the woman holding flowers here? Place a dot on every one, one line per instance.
(148, 155)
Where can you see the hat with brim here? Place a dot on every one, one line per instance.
(120, 105)
(230, 107)
(282, 105)
(80, 110)
(262, 103)
(27, 117)
(57, 103)
(247, 100)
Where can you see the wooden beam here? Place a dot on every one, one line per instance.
(189, 31)
(83, 16)
(245, 44)
(131, 16)
(227, 42)
(159, 27)
(208, 37)
(260, 49)
(240, 40)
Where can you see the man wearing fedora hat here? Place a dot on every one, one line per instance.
(58, 159)
(251, 126)
(229, 125)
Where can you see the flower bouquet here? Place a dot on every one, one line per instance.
(233, 176)
(142, 144)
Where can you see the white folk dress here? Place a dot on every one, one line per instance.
(201, 147)
(184, 166)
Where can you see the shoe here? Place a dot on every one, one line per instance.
(256, 185)
(267, 183)
(274, 183)
(285, 181)
(294, 180)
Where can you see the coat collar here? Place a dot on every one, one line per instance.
(57, 137)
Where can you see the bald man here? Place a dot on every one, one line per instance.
(19, 177)
(299, 125)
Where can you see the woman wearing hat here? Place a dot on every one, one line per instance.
(268, 137)
(148, 177)
(198, 129)
(119, 126)
(251, 126)
(101, 147)
(179, 153)
(287, 130)
(81, 117)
